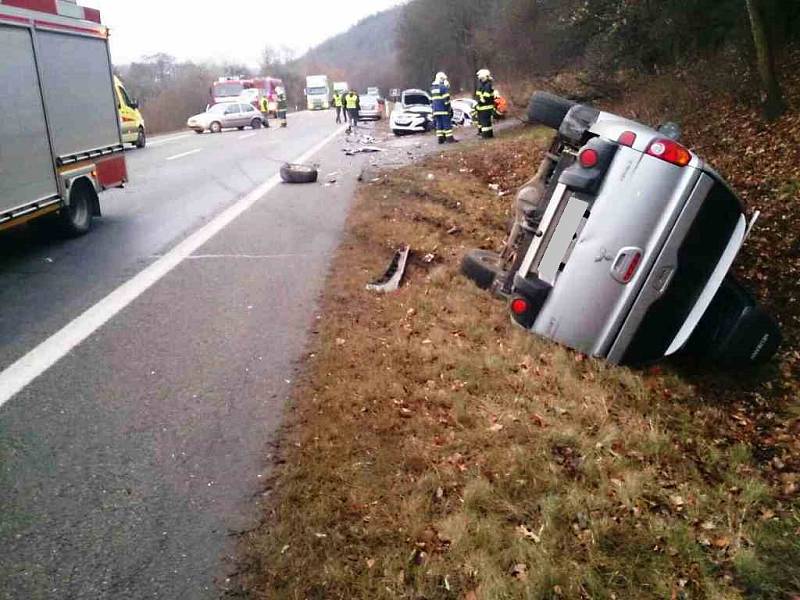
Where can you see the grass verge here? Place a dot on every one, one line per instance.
(434, 451)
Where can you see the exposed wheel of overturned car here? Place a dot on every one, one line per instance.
(482, 267)
(293, 173)
(548, 109)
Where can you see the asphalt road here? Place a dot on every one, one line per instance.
(127, 465)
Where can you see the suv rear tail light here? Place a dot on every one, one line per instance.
(627, 138)
(588, 158)
(519, 306)
(669, 151)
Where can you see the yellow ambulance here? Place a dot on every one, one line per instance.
(131, 121)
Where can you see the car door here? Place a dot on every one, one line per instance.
(231, 116)
(248, 114)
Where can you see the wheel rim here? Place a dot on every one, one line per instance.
(140, 139)
(78, 211)
(216, 127)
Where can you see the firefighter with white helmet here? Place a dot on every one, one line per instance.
(442, 108)
(485, 96)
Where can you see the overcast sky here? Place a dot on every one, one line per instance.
(222, 30)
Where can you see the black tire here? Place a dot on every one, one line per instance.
(240, 128)
(482, 267)
(299, 173)
(548, 109)
(198, 131)
(215, 127)
(141, 140)
(76, 219)
(256, 124)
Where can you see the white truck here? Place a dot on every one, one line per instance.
(341, 86)
(318, 92)
(60, 136)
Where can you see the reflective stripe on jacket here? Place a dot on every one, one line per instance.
(485, 96)
(440, 99)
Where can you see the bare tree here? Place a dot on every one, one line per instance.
(772, 97)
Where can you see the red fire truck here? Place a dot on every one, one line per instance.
(229, 89)
(60, 138)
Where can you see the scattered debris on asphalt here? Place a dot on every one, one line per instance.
(391, 279)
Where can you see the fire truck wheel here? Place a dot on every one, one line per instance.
(256, 124)
(76, 219)
(548, 109)
(141, 140)
(215, 127)
(482, 267)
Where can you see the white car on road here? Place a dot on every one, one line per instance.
(413, 114)
(225, 116)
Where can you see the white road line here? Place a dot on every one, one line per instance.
(247, 135)
(183, 154)
(17, 376)
(161, 141)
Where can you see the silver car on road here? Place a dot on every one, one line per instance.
(226, 115)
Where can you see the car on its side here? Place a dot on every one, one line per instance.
(226, 115)
(413, 114)
(371, 109)
(622, 246)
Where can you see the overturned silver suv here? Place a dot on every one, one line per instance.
(622, 244)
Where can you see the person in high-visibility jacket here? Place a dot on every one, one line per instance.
(485, 97)
(353, 104)
(283, 105)
(442, 108)
(338, 103)
(263, 106)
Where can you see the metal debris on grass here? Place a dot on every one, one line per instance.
(391, 279)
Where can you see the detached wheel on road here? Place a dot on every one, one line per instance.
(482, 267)
(215, 127)
(256, 124)
(548, 109)
(141, 139)
(299, 173)
(76, 219)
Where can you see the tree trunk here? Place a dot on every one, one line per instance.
(772, 98)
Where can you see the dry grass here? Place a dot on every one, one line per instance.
(434, 451)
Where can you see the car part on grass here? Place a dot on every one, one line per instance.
(295, 173)
(393, 276)
(621, 245)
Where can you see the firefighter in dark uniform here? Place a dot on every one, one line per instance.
(283, 106)
(263, 106)
(485, 97)
(442, 108)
